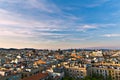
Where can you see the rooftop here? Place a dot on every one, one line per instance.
(37, 76)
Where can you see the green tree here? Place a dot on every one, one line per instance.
(97, 77)
(67, 78)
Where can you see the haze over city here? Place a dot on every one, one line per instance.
(54, 24)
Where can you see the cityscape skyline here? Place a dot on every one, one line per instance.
(55, 24)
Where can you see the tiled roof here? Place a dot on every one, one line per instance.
(37, 76)
(75, 56)
(39, 62)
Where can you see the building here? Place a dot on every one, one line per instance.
(78, 71)
(9, 75)
(106, 70)
(39, 76)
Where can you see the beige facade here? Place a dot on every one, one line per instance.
(32, 72)
(107, 70)
(76, 72)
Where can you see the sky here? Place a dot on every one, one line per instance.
(53, 24)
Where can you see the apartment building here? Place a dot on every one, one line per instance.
(77, 71)
(106, 69)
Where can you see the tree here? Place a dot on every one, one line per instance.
(67, 78)
(97, 77)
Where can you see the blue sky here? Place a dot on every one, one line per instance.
(57, 24)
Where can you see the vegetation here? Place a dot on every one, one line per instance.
(93, 77)
(68, 78)
(96, 77)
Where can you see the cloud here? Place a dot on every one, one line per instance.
(78, 4)
(42, 5)
(96, 3)
(86, 27)
(38, 21)
(89, 27)
(17, 25)
(111, 35)
(75, 39)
